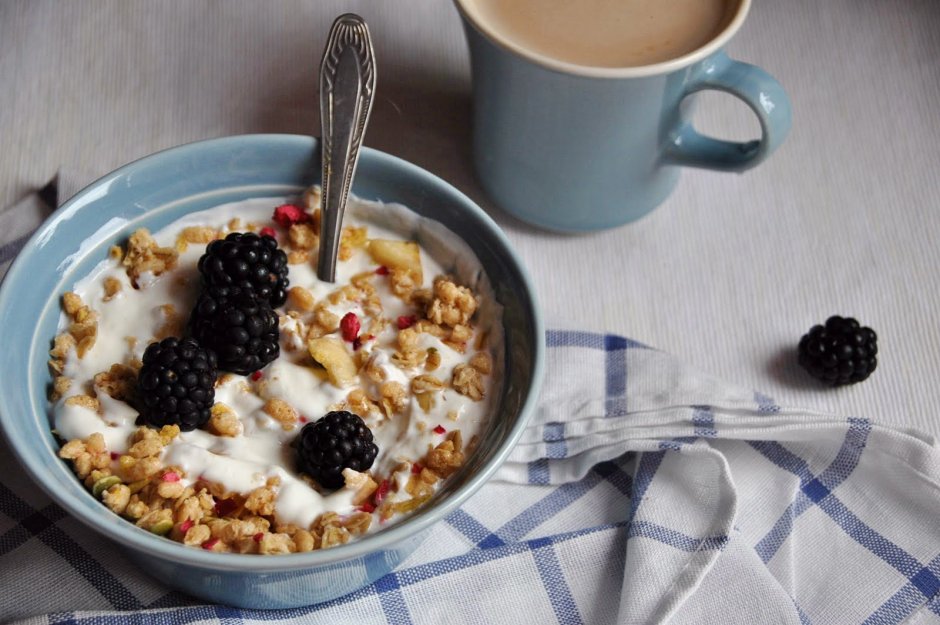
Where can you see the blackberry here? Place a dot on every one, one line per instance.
(247, 261)
(337, 441)
(238, 326)
(840, 352)
(176, 384)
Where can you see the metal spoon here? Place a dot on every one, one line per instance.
(347, 87)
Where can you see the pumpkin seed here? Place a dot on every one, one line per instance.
(162, 528)
(104, 484)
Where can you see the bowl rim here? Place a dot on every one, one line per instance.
(134, 538)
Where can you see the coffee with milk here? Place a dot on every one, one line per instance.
(607, 33)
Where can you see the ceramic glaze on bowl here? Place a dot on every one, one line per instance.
(163, 187)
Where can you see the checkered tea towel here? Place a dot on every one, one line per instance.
(642, 492)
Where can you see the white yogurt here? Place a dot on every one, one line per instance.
(130, 320)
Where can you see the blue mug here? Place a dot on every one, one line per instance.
(573, 148)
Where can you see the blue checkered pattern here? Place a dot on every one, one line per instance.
(642, 492)
(683, 499)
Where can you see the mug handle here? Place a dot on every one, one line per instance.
(756, 88)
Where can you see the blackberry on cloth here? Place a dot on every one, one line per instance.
(840, 352)
(239, 326)
(247, 261)
(176, 383)
(337, 441)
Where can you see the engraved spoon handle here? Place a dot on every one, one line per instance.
(347, 87)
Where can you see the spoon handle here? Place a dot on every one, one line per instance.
(347, 87)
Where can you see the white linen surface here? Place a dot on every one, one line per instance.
(642, 492)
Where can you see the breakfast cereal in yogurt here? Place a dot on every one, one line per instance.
(209, 388)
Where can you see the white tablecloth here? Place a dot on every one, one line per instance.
(727, 274)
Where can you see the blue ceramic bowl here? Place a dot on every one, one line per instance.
(159, 189)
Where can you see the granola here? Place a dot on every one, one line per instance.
(396, 340)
